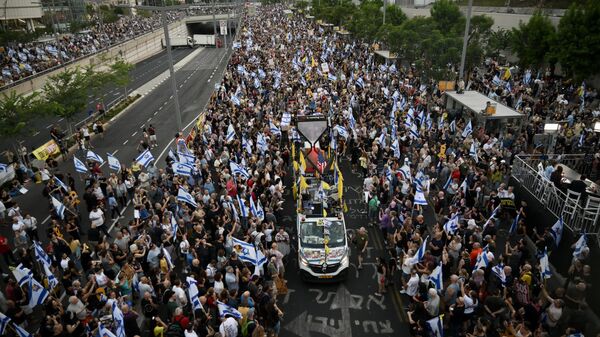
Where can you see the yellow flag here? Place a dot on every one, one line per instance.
(507, 74)
(303, 184)
(312, 62)
(325, 185)
(340, 187)
(324, 213)
(295, 190)
(302, 162)
(294, 150)
(295, 165)
(304, 59)
(345, 207)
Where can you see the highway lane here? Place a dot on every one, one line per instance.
(122, 137)
(142, 72)
(349, 308)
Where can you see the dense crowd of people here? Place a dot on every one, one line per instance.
(21, 60)
(181, 267)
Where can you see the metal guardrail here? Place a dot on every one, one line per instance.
(524, 170)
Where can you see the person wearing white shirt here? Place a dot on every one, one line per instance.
(229, 327)
(412, 286)
(20, 231)
(97, 219)
(31, 227)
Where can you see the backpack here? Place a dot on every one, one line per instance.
(174, 330)
(245, 327)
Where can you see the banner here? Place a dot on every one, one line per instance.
(50, 149)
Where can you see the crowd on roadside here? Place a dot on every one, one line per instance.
(206, 250)
(22, 60)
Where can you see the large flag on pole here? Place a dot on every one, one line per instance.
(580, 246)
(193, 293)
(183, 195)
(436, 327)
(419, 254)
(468, 130)
(145, 158)
(79, 165)
(436, 278)
(225, 310)
(545, 272)
(118, 319)
(113, 162)
(59, 208)
(557, 230)
(94, 157)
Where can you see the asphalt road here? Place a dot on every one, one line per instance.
(121, 138)
(349, 308)
(142, 72)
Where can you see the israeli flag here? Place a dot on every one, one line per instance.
(3, 167)
(286, 119)
(464, 186)
(94, 157)
(580, 246)
(420, 198)
(242, 205)
(303, 81)
(451, 226)
(498, 270)
(496, 80)
(186, 158)
(247, 252)
(225, 310)
(253, 208)
(36, 293)
(274, 129)
(381, 138)
(145, 158)
(419, 254)
(52, 281)
(441, 122)
(104, 332)
(341, 131)
(491, 218)
(168, 258)
(41, 254)
(22, 275)
(261, 143)
(545, 272)
(118, 319)
(414, 132)
(436, 278)
(447, 184)
(172, 155)
(183, 195)
(79, 165)
(21, 332)
(235, 100)
(3, 323)
(482, 259)
(515, 224)
(360, 82)
(182, 169)
(260, 213)
(452, 126)
(113, 162)
(436, 327)
(405, 172)
(351, 121)
(239, 169)
(473, 152)
(468, 130)
(256, 83)
(230, 134)
(61, 184)
(247, 145)
(59, 208)
(396, 148)
(193, 293)
(331, 77)
(557, 230)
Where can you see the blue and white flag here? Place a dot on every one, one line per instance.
(303, 81)
(246, 252)
(118, 319)
(451, 226)
(473, 152)
(94, 157)
(168, 258)
(342, 132)
(186, 158)
(557, 230)
(36, 293)
(360, 82)
(3, 167)
(145, 158)
(419, 254)
(242, 205)
(463, 186)
(22, 275)
(545, 272)
(235, 100)
(52, 281)
(61, 184)
(452, 126)
(468, 130)
(239, 169)
(286, 119)
(436, 327)
(172, 155)
(257, 211)
(436, 278)
(21, 332)
(447, 184)
(396, 148)
(351, 121)
(381, 138)
(225, 310)
(3, 323)
(515, 224)
(274, 129)
(580, 246)
(193, 293)
(41, 254)
(420, 198)
(491, 218)
(183, 195)
(414, 132)
(104, 332)
(498, 270)
(230, 134)
(113, 162)
(79, 165)
(331, 77)
(247, 145)
(482, 259)
(261, 143)
(182, 169)
(59, 208)
(405, 172)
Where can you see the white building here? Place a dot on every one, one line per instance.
(22, 10)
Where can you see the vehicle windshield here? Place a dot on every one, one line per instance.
(312, 234)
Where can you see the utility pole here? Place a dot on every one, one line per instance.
(384, 9)
(171, 70)
(463, 57)
(214, 9)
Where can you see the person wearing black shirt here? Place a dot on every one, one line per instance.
(579, 186)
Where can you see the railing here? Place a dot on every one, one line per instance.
(524, 170)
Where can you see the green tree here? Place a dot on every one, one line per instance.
(498, 40)
(121, 73)
(579, 36)
(394, 15)
(17, 112)
(367, 19)
(301, 5)
(66, 93)
(533, 41)
(447, 15)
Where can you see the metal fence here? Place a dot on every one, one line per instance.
(575, 216)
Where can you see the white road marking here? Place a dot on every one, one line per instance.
(156, 112)
(125, 142)
(49, 126)
(36, 133)
(133, 135)
(117, 150)
(149, 119)
(117, 219)
(62, 119)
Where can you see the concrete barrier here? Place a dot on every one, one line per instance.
(132, 51)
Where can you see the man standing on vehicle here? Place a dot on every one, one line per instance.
(361, 241)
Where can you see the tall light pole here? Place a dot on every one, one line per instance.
(384, 9)
(463, 57)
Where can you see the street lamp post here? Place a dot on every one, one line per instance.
(463, 57)
(171, 70)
